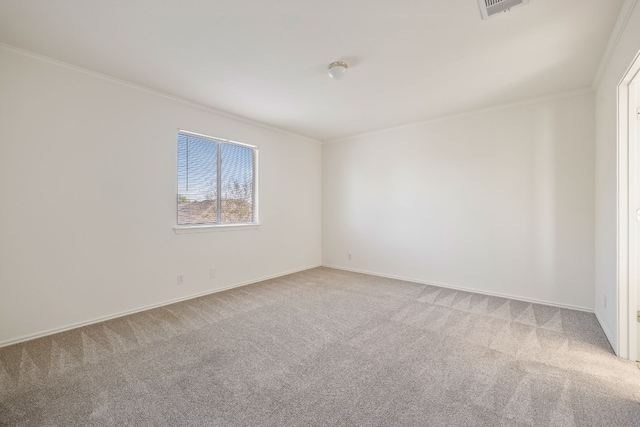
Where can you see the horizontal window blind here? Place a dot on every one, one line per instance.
(216, 181)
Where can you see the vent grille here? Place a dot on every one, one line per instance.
(488, 8)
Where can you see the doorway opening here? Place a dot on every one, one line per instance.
(629, 212)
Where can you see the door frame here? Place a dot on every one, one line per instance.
(628, 148)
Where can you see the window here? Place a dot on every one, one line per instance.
(216, 181)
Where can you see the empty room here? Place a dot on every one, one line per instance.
(319, 213)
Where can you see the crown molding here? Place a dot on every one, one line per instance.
(523, 103)
(621, 23)
(185, 101)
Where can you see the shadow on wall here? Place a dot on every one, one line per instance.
(499, 201)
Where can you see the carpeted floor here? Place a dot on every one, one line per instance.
(326, 348)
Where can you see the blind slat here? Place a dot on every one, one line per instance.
(216, 181)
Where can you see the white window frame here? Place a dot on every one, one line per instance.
(203, 228)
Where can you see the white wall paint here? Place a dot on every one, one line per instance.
(625, 50)
(499, 201)
(88, 190)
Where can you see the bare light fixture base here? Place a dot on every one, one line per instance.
(337, 69)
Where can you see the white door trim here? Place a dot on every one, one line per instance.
(628, 252)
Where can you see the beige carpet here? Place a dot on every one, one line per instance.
(326, 348)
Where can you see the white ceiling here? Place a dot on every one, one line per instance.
(266, 60)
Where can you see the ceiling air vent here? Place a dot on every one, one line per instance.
(488, 8)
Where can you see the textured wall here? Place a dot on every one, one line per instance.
(88, 190)
(499, 201)
(606, 174)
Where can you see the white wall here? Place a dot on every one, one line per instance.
(626, 49)
(88, 196)
(499, 201)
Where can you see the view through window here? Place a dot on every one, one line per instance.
(216, 181)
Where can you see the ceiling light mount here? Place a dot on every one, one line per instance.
(337, 69)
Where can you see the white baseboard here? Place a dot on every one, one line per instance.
(148, 307)
(607, 333)
(237, 285)
(460, 288)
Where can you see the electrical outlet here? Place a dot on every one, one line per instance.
(349, 256)
(180, 279)
(212, 273)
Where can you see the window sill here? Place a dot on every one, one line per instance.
(212, 228)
